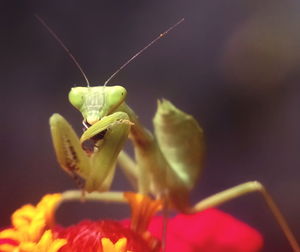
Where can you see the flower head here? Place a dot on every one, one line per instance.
(34, 230)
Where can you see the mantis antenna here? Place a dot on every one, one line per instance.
(54, 35)
(142, 50)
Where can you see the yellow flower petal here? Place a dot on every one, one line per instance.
(7, 248)
(48, 205)
(46, 239)
(48, 244)
(56, 245)
(23, 216)
(9, 233)
(36, 227)
(143, 208)
(107, 245)
(27, 247)
(119, 246)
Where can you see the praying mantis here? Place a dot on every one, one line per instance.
(167, 162)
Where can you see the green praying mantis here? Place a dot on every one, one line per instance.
(167, 162)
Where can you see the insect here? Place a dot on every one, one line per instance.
(167, 163)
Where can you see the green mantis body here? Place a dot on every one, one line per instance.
(167, 163)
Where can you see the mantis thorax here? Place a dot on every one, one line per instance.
(96, 102)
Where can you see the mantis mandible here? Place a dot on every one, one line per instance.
(167, 163)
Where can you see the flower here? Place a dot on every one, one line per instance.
(34, 230)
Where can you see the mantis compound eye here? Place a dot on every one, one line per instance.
(117, 94)
(76, 96)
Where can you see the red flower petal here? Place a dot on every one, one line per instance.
(208, 231)
(86, 236)
(9, 242)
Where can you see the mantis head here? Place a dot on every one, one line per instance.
(96, 102)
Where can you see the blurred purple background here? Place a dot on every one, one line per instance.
(232, 64)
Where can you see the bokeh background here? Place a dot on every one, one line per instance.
(233, 64)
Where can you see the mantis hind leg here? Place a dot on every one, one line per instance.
(129, 168)
(243, 189)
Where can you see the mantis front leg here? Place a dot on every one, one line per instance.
(96, 168)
